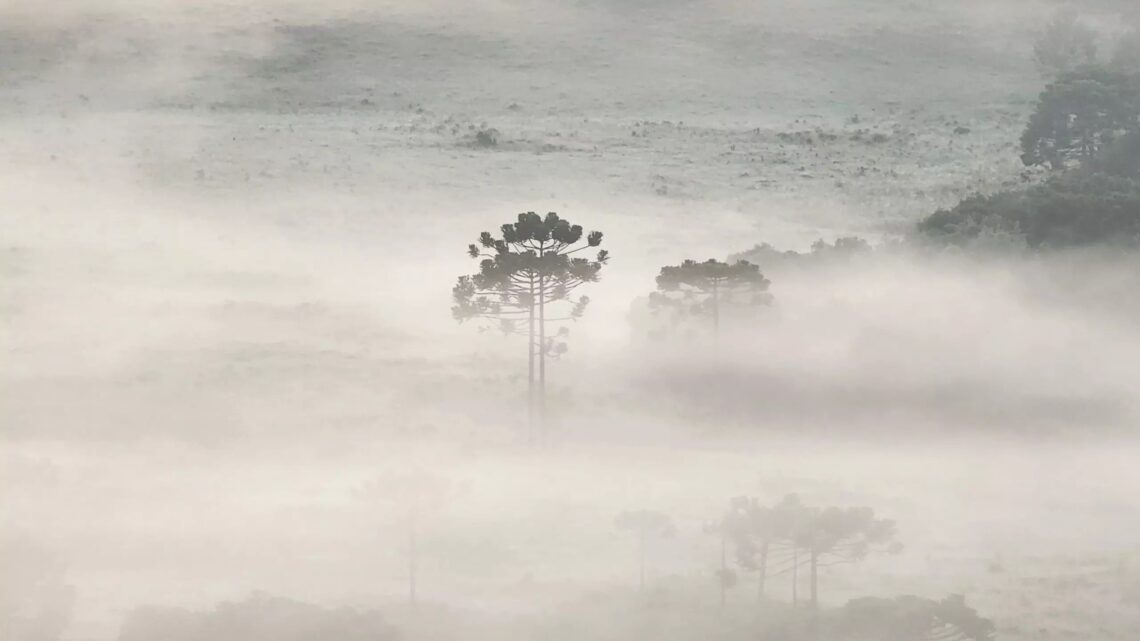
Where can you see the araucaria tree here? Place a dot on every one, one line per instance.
(645, 524)
(526, 282)
(763, 536)
(704, 289)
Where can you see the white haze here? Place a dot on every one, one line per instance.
(225, 294)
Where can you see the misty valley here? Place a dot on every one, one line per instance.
(570, 320)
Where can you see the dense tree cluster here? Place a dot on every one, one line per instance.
(1069, 210)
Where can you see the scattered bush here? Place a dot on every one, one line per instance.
(487, 138)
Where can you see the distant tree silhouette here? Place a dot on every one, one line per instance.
(840, 535)
(1065, 44)
(524, 271)
(763, 536)
(790, 535)
(645, 524)
(413, 494)
(702, 289)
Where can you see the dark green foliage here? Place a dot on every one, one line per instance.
(1074, 209)
(530, 263)
(1121, 158)
(258, 618)
(1087, 126)
(703, 289)
(1080, 114)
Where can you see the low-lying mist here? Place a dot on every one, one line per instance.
(236, 405)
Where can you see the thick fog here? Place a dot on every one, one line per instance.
(235, 403)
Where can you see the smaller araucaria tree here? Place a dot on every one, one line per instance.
(841, 535)
(645, 524)
(703, 289)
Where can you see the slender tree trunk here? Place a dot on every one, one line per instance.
(814, 580)
(795, 575)
(412, 557)
(763, 569)
(530, 368)
(542, 356)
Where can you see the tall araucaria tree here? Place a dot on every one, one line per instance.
(703, 289)
(526, 283)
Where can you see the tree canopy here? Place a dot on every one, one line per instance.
(702, 289)
(1086, 128)
(530, 263)
(1080, 114)
(1074, 209)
